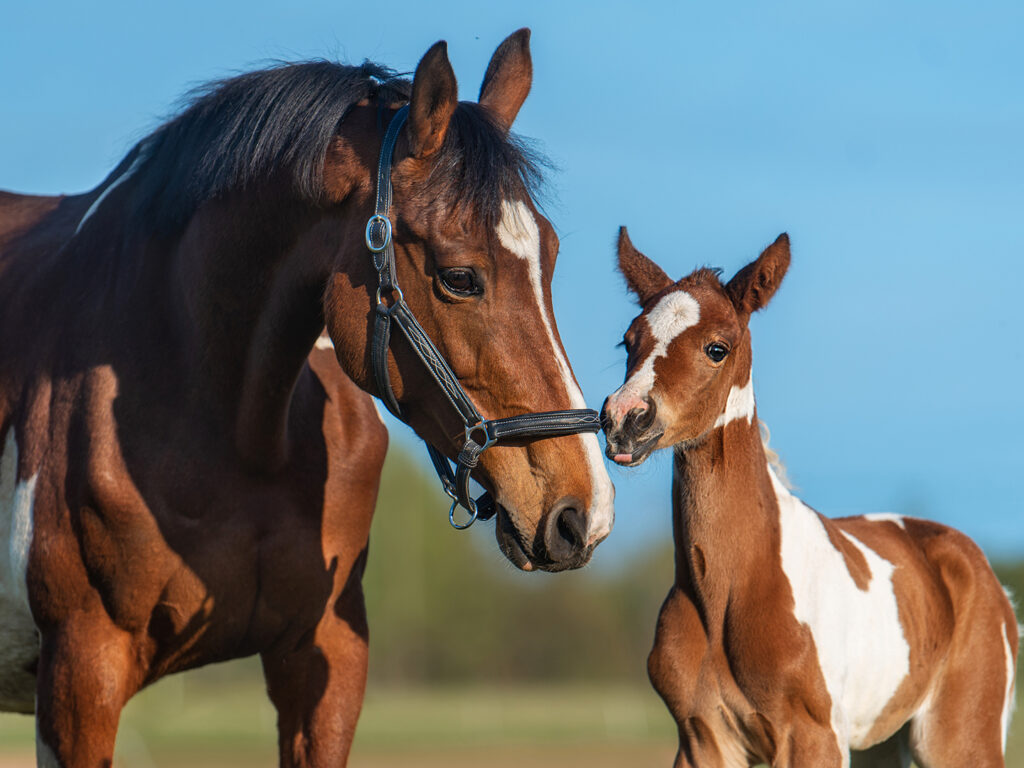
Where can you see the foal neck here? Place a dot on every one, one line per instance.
(725, 515)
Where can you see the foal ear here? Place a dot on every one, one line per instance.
(508, 78)
(435, 95)
(643, 276)
(754, 285)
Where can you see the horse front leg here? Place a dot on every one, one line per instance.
(317, 686)
(87, 672)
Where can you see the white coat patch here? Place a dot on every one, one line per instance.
(19, 643)
(890, 517)
(862, 650)
(324, 342)
(740, 404)
(1008, 704)
(673, 314)
(140, 158)
(518, 232)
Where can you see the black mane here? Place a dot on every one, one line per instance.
(278, 122)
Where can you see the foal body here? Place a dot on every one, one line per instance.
(788, 637)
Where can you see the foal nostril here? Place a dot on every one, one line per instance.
(565, 535)
(639, 419)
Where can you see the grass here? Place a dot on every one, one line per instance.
(216, 718)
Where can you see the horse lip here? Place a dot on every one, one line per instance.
(508, 541)
(638, 455)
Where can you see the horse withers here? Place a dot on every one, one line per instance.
(188, 474)
(790, 638)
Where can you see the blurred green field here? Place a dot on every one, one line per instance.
(194, 720)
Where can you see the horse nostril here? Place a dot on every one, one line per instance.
(566, 532)
(639, 419)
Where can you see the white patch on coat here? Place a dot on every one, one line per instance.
(862, 650)
(140, 158)
(740, 404)
(519, 233)
(1008, 703)
(45, 758)
(19, 641)
(324, 342)
(886, 517)
(673, 314)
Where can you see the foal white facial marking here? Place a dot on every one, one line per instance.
(140, 158)
(19, 643)
(862, 650)
(740, 404)
(518, 232)
(673, 314)
(1008, 705)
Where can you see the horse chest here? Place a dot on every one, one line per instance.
(19, 642)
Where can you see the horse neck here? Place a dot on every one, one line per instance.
(725, 514)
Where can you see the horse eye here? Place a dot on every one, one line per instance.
(460, 281)
(716, 351)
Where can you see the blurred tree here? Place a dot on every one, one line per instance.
(444, 605)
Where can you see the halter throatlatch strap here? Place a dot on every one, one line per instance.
(480, 433)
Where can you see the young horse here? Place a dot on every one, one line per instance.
(187, 475)
(788, 637)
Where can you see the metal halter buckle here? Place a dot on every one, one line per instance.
(385, 224)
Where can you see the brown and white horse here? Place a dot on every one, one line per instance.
(187, 474)
(790, 638)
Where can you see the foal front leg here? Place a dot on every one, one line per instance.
(318, 685)
(86, 675)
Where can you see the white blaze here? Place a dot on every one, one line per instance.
(673, 314)
(862, 650)
(518, 232)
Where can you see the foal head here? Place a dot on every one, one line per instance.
(474, 259)
(688, 352)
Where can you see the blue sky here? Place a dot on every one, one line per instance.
(887, 138)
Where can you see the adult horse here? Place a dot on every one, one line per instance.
(790, 638)
(187, 476)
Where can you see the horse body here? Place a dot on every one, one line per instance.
(140, 557)
(188, 473)
(788, 637)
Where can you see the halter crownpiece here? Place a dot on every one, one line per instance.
(480, 433)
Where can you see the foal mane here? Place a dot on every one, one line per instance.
(278, 122)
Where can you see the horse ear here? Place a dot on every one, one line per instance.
(754, 285)
(508, 79)
(643, 276)
(435, 95)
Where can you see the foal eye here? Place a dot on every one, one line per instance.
(716, 351)
(460, 281)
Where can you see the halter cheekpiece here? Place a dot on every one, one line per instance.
(480, 433)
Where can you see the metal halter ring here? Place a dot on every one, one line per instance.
(385, 222)
(480, 426)
(472, 515)
(399, 296)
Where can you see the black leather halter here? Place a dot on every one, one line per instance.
(480, 433)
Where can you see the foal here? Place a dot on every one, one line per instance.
(790, 638)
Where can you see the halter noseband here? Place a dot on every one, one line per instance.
(480, 433)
